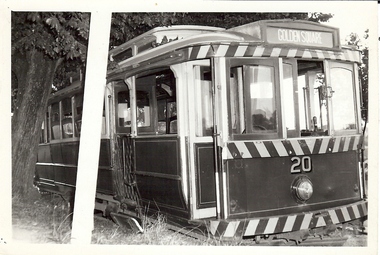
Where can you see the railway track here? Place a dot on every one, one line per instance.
(340, 235)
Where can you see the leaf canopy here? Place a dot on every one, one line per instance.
(57, 34)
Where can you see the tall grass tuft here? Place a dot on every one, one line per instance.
(49, 220)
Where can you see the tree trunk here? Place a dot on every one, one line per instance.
(34, 76)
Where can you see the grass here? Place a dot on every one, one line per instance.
(47, 216)
(48, 220)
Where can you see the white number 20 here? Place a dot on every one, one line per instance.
(300, 164)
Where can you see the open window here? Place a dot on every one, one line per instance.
(67, 118)
(156, 103)
(291, 103)
(123, 109)
(55, 122)
(203, 101)
(78, 108)
(305, 98)
(312, 98)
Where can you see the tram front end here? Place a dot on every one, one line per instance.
(287, 125)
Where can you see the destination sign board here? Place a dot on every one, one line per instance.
(292, 32)
(281, 35)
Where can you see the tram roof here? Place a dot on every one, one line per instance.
(266, 38)
(157, 34)
(163, 35)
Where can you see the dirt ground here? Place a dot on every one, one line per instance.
(29, 235)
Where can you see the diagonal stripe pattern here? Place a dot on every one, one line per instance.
(294, 147)
(236, 49)
(287, 223)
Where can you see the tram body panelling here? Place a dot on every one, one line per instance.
(158, 176)
(233, 183)
(253, 199)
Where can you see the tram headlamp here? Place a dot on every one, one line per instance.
(302, 189)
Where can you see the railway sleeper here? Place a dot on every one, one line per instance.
(330, 235)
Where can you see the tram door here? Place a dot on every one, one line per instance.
(200, 144)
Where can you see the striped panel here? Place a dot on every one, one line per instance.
(202, 52)
(241, 50)
(294, 147)
(254, 50)
(287, 223)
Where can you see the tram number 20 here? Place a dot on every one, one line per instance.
(300, 164)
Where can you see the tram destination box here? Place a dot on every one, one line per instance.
(300, 33)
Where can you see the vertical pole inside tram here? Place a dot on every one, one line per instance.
(89, 148)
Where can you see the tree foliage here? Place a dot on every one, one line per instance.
(57, 35)
(353, 39)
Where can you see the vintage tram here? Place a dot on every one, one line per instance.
(250, 131)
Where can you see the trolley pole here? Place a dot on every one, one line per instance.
(89, 148)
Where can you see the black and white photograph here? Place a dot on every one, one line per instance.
(205, 126)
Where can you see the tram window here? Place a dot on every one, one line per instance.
(47, 126)
(55, 122)
(42, 133)
(156, 103)
(252, 97)
(123, 109)
(67, 118)
(237, 100)
(166, 103)
(143, 108)
(290, 92)
(104, 121)
(167, 117)
(172, 115)
(78, 108)
(260, 101)
(203, 96)
(312, 99)
(343, 108)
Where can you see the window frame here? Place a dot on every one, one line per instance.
(150, 88)
(201, 130)
(74, 118)
(329, 65)
(296, 133)
(117, 89)
(308, 106)
(241, 62)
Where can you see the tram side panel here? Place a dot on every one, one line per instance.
(65, 158)
(205, 175)
(56, 169)
(262, 186)
(158, 175)
(44, 172)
